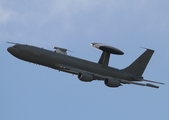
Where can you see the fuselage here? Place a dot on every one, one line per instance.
(54, 60)
(87, 71)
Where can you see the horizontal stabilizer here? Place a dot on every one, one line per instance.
(153, 81)
(141, 84)
(151, 85)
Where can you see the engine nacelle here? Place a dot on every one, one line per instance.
(85, 77)
(112, 82)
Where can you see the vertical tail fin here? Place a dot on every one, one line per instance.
(139, 65)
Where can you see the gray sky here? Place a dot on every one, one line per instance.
(29, 91)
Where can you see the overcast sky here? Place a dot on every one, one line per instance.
(31, 92)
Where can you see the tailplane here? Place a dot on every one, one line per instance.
(138, 66)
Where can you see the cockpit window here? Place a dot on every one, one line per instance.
(16, 46)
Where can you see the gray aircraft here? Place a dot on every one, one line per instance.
(88, 71)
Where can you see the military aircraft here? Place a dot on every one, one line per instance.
(88, 71)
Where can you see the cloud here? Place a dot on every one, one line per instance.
(5, 14)
(40, 13)
(77, 20)
(70, 7)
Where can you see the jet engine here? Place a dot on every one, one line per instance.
(112, 82)
(85, 77)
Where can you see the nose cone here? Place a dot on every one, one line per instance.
(9, 49)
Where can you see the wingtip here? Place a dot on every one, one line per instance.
(146, 48)
(11, 42)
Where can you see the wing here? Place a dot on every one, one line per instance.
(96, 76)
(76, 71)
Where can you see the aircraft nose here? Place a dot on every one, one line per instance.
(10, 49)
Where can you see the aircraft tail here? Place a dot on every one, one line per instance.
(138, 66)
